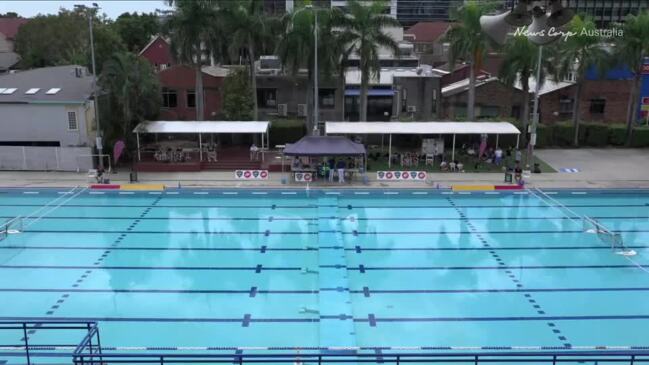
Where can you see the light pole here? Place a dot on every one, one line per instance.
(315, 69)
(90, 15)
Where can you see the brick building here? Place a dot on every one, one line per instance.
(493, 99)
(158, 53)
(178, 92)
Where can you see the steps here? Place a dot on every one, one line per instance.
(336, 314)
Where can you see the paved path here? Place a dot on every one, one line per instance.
(598, 168)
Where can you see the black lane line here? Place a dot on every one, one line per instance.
(178, 218)
(166, 206)
(170, 232)
(515, 280)
(96, 263)
(342, 232)
(157, 291)
(342, 206)
(492, 206)
(366, 291)
(180, 268)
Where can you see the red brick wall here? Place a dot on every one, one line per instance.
(182, 78)
(158, 53)
(494, 93)
(615, 92)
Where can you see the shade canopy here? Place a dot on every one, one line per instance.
(420, 128)
(201, 127)
(324, 146)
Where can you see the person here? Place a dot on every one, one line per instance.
(332, 169)
(254, 150)
(297, 164)
(452, 166)
(518, 174)
(340, 166)
(498, 156)
(100, 175)
(519, 156)
(460, 167)
(350, 163)
(443, 165)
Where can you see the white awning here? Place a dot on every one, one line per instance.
(201, 127)
(420, 128)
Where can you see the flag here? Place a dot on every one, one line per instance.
(118, 149)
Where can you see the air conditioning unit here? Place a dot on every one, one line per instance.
(412, 108)
(282, 110)
(301, 110)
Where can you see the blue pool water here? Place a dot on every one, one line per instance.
(365, 269)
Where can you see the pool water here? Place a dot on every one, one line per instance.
(325, 269)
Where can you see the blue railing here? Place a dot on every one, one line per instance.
(89, 352)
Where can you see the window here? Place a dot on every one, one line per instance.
(191, 98)
(565, 106)
(489, 111)
(327, 98)
(72, 121)
(267, 98)
(597, 106)
(169, 98)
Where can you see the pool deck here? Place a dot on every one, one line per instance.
(597, 168)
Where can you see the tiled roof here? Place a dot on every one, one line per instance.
(9, 26)
(428, 31)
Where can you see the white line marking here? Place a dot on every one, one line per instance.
(332, 193)
(289, 193)
(447, 192)
(154, 193)
(172, 193)
(96, 193)
(62, 192)
(551, 192)
(419, 193)
(491, 193)
(390, 193)
(259, 193)
(578, 193)
(520, 192)
(362, 193)
(30, 192)
(200, 192)
(230, 193)
(126, 193)
(464, 193)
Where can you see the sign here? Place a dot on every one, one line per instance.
(401, 175)
(304, 177)
(251, 174)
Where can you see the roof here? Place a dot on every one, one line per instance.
(164, 126)
(73, 89)
(428, 31)
(153, 39)
(387, 74)
(9, 26)
(216, 71)
(463, 85)
(549, 86)
(324, 146)
(420, 128)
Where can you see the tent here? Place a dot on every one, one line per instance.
(324, 146)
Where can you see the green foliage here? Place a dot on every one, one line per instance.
(594, 134)
(284, 131)
(237, 100)
(136, 29)
(617, 135)
(640, 137)
(544, 135)
(563, 134)
(133, 93)
(63, 39)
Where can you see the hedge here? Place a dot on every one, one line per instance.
(283, 131)
(617, 135)
(640, 137)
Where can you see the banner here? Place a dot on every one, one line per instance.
(303, 177)
(251, 174)
(401, 175)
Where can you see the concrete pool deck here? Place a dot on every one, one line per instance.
(590, 168)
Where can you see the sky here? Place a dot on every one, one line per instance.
(112, 8)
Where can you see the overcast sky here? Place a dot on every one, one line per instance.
(112, 8)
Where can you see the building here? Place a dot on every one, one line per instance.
(493, 99)
(8, 30)
(428, 41)
(158, 53)
(178, 85)
(48, 119)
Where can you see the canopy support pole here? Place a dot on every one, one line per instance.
(262, 147)
(497, 136)
(200, 148)
(390, 152)
(518, 139)
(453, 152)
(137, 136)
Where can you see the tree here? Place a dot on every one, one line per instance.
(195, 30)
(577, 55)
(63, 39)
(133, 92)
(251, 29)
(237, 101)
(136, 29)
(365, 24)
(631, 50)
(469, 43)
(519, 64)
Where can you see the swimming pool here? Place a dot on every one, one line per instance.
(259, 269)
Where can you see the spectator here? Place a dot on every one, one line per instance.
(498, 156)
(341, 171)
(518, 155)
(332, 169)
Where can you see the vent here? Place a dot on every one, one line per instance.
(53, 91)
(282, 110)
(32, 91)
(9, 91)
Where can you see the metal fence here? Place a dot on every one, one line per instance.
(46, 158)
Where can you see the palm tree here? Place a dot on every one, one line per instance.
(577, 55)
(132, 88)
(195, 30)
(365, 25)
(519, 64)
(631, 50)
(251, 29)
(469, 43)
